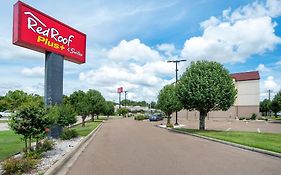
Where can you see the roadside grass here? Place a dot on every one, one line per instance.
(11, 143)
(89, 127)
(266, 141)
(4, 121)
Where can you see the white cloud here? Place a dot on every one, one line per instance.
(33, 72)
(270, 83)
(168, 49)
(133, 65)
(235, 36)
(262, 68)
(133, 50)
(278, 63)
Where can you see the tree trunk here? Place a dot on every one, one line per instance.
(29, 143)
(25, 144)
(97, 116)
(168, 119)
(83, 120)
(37, 143)
(93, 117)
(202, 120)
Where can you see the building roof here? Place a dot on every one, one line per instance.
(245, 76)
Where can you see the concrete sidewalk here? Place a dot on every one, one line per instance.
(126, 147)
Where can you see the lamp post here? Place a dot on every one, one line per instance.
(176, 61)
(125, 97)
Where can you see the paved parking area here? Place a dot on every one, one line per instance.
(230, 125)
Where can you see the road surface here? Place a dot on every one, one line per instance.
(128, 147)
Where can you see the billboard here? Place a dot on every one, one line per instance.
(35, 30)
(120, 90)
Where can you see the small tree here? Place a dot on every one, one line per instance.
(80, 102)
(276, 103)
(96, 103)
(29, 121)
(109, 109)
(123, 111)
(15, 99)
(265, 107)
(206, 86)
(168, 101)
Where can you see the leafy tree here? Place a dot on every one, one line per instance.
(109, 108)
(62, 115)
(276, 103)
(153, 105)
(168, 101)
(96, 103)
(29, 121)
(123, 111)
(15, 99)
(80, 102)
(3, 105)
(206, 86)
(265, 106)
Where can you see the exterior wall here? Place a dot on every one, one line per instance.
(248, 93)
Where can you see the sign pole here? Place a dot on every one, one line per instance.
(53, 79)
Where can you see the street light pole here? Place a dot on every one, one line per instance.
(125, 97)
(176, 61)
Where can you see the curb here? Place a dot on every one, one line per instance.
(55, 168)
(230, 143)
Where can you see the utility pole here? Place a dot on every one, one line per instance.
(269, 94)
(176, 61)
(125, 98)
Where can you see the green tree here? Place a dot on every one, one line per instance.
(168, 101)
(153, 105)
(29, 121)
(276, 103)
(62, 115)
(123, 111)
(80, 102)
(265, 107)
(206, 86)
(15, 99)
(109, 108)
(96, 103)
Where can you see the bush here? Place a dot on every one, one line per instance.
(18, 165)
(141, 117)
(34, 154)
(46, 145)
(170, 125)
(69, 134)
(253, 117)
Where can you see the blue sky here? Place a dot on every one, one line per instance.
(129, 42)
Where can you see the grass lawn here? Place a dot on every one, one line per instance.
(3, 121)
(10, 143)
(266, 141)
(89, 126)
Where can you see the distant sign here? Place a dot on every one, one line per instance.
(37, 31)
(120, 90)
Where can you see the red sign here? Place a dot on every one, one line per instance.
(120, 90)
(37, 31)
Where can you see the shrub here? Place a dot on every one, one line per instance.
(69, 134)
(141, 117)
(18, 165)
(37, 154)
(47, 145)
(169, 125)
(253, 117)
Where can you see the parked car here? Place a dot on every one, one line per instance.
(155, 117)
(5, 114)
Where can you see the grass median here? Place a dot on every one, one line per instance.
(266, 141)
(4, 121)
(89, 127)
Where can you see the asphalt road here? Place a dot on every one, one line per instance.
(128, 147)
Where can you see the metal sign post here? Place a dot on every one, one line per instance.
(53, 79)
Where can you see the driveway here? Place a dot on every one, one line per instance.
(128, 147)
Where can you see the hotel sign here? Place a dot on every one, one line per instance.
(37, 31)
